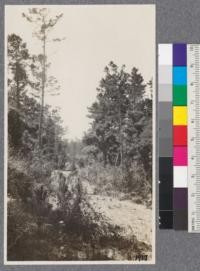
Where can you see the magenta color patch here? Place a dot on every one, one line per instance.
(180, 156)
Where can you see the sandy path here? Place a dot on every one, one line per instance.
(134, 219)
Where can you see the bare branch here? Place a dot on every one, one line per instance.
(28, 18)
(58, 39)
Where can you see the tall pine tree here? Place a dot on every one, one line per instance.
(44, 24)
(18, 83)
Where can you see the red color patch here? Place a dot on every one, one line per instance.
(180, 135)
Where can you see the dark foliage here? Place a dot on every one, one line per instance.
(121, 132)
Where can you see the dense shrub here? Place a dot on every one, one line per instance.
(113, 180)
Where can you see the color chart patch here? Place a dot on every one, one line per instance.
(179, 115)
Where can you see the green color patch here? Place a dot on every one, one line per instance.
(179, 95)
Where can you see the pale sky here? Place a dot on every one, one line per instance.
(95, 35)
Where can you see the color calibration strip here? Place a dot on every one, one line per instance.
(180, 159)
(165, 66)
(179, 150)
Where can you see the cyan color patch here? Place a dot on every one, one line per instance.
(179, 75)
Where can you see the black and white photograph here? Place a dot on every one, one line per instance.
(79, 182)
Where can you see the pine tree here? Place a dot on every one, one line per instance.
(108, 114)
(119, 116)
(44, 24)
(18, 85)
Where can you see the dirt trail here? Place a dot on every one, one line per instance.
(134, 219)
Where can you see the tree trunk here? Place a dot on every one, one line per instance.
(43, 90)
(18, 124)
(121, 140)
(105, 157)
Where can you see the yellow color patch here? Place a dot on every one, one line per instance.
(179, 115)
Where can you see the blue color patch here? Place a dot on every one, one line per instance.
(179, 75)
(179, 54)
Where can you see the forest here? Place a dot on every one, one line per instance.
(65, 196)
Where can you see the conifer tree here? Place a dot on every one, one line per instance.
(43, 24)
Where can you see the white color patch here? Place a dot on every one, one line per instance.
(165, 54)
(180, 176)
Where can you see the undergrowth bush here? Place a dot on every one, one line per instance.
(114, 179)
